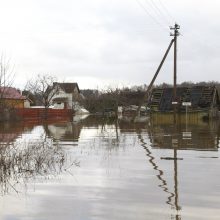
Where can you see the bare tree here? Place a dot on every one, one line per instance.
(113, 96)
(6, 81)
(6, 72)
(42, 87)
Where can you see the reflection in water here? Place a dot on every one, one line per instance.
(10, 132)
(63, 132)
(21, 161)
(163, 184)
(122, 180)
(160, 176)
(197, 137)
(18, 164)
(178, 137)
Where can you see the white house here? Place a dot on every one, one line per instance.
(27, 103)
(65, 95)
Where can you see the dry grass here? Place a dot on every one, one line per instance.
(20, 162)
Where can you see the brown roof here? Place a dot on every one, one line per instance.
(67, 87)
(10, 93)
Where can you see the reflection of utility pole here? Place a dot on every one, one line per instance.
(217, 137)
(159, 176)
(175, 170)
(176, 181)
(175, 34)
(175, 176)
(116, 128)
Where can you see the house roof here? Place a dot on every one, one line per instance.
(67, 87)
(10, 93)
(200, 97)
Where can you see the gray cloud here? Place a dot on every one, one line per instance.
(110, 41)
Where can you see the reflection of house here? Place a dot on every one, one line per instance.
(64, 131)
(7, 138)
(66, 96)
(132, 110)
(202, 100)
(11, 97)
(10, 132)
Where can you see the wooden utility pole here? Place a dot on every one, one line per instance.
(175, 34)
(146, 95)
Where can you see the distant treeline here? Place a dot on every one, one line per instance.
(191, 84)
(110, 99)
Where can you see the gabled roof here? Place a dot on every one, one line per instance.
(201, 97)
(67, 87)
(10, 93)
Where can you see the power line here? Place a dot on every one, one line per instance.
(159, 11)
(155, 11)
(166, 10)
(151, 16)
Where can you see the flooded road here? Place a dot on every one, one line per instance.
(102, 169)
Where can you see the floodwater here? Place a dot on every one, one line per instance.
(102, 169)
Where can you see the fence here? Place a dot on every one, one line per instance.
(44, 114)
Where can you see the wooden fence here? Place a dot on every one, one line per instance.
(43, 114)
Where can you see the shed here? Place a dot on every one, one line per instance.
(202, 99)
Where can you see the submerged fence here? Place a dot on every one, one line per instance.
(43, 114)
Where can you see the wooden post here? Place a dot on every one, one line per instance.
(146, 95)
(175, 35)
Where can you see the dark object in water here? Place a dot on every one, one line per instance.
(208, 157)
(171, 158)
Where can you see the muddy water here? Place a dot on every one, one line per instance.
(101, 169)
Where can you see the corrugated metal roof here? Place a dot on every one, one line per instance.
(199, 96)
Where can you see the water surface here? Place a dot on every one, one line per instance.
(101, 169)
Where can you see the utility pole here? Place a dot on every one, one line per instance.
(146, 95)
(175, 34)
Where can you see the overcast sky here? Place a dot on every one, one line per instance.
(116, 42)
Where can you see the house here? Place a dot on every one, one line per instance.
(65, 95)
(27, 103)
(202, 101)
(30, 99)
(11, 97)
